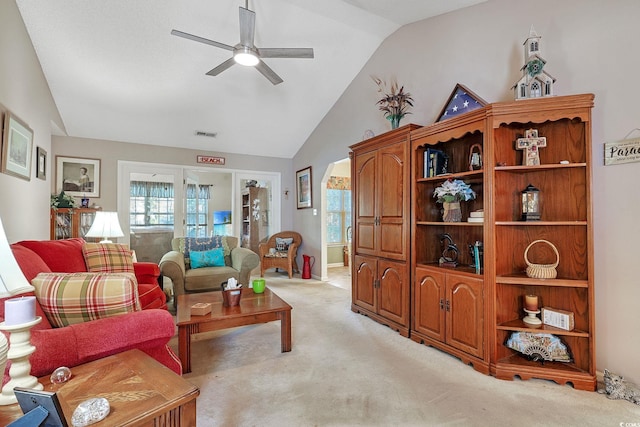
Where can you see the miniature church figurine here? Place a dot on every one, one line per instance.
(535, 81)
(530, 144)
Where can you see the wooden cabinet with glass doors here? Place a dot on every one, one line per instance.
(67, 223)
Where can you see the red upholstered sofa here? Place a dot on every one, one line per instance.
(148, 330)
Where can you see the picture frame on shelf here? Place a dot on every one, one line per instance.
(78, 177)
(303, 188)
(41, 169)
(17, 146)
(462, 100)
(46, 402)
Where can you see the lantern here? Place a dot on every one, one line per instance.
(530, 203)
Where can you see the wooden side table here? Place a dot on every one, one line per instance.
(140, 390)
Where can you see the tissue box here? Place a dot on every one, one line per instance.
(231, 297)
(200, 309)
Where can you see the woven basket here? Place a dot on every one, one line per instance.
(542, 271)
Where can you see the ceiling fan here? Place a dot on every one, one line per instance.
(245, 52)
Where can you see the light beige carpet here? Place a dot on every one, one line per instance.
(347, 370)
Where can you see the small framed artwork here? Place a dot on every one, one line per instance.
(461, 101)
(77, 176)
(43, 407)
(17, 145)
(303, 188)
(41, 171)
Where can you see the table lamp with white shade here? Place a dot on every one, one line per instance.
(19, 319)
(105, 225)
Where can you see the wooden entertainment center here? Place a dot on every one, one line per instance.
(468, 312)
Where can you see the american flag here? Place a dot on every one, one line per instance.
(461, 101)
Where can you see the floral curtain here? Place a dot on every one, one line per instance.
(339, 183)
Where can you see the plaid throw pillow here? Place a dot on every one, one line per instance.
(70, 298)
(108, 258)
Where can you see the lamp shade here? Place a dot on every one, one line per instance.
(12, 280)
(105, 225)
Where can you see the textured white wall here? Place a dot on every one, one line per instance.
(24, 205)
(589, 46)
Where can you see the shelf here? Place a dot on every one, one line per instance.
(522, 279)
(540, 223)
(519, 360)
(461, 269)
(539, 167)
(520, 326)
(454, 224)
(475, 173)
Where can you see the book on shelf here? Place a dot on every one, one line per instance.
(435, 162)
(476, 216)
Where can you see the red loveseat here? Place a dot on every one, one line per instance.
(148, 330)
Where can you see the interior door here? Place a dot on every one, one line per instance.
(191, 206)
(269, 211)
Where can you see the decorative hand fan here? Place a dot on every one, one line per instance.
(539, 347)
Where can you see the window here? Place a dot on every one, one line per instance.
(197, 210)
(338, 215)
(150, 204)
(534, 46)
(535, 90)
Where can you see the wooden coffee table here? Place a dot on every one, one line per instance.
(253, 308)
(140, 390)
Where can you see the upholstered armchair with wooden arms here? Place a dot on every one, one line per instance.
(280, 251)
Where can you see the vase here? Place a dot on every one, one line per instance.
(395, 121)
(451, 212)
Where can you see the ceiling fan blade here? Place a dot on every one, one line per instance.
(247, 26)
(220, 68)
(286, 52)
(201, 40)
(268, 73)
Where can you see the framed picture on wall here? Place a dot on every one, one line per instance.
(303, 188)
(17, 144)
(41, 165)
(77, 176)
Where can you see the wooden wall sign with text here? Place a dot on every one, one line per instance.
(211, 160)
(625, 151)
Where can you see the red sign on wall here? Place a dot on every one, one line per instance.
(211, 160)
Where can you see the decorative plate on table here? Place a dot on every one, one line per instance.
(539, 347)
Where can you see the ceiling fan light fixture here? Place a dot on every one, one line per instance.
(245, 56)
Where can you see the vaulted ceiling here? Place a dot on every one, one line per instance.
(116, 72)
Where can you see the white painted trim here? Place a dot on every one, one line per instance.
(126, 167)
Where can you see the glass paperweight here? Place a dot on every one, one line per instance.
(90, 412)
(60, 375)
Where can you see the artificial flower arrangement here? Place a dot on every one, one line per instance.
(62, 200)
(394, 103)
(454, 190)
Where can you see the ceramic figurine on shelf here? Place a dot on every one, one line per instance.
(535, 81)
(615, 387)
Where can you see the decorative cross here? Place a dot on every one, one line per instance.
(530, 144)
